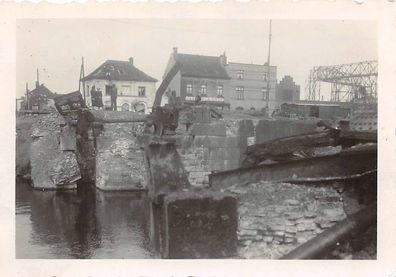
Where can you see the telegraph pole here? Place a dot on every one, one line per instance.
(82, 76)
(268, 67)
(27, 96)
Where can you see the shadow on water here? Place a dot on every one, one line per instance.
(86, 223)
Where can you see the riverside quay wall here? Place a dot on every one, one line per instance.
(110, 153)
(220, 145)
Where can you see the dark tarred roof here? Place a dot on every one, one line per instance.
(119, 71)
(201, 66)
(43, 90)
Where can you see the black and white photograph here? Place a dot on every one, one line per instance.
(196, 139)
(184, 138)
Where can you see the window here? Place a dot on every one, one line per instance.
(220, 90)
(189, 89)
(125, 90)
(203, 89)
(265, 76)
(142, 91)
(240, 93)
(240, 74)
(264, 92)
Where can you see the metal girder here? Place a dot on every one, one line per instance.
(348, 164)
(348, 81)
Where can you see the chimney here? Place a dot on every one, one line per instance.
(131, 60)
(174, 50)
(223, 59)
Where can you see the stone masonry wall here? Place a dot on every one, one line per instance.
(52, 156)
(119, 161)
(275, 218)
(206, 148)
(221, 145)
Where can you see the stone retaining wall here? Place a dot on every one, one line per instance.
(119, 161)
(206, 148)
(221, 145)
(277, 217)
(52, 156)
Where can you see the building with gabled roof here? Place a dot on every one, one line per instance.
(203, 76)
(135, 88)
(39, 98)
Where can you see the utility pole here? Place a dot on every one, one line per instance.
(38, 91)
(27, 97)
(268, 67)
(82, 76)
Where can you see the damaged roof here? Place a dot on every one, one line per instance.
(43, 90)
(201, 66)
(119, 71)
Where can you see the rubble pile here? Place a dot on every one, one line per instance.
(119, 157)
(275, 218)
(51, 167)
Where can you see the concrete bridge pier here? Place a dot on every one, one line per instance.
(186, 223)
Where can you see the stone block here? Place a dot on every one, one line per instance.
(272, 129)
(216, 142)
(231, 153)
(201, 141)
(218, 129)
(232, 141)
(217, 154)
(199, 225)
(209, 129)
(67, 141)
(216, 165)
(246, 128)
(231, 164)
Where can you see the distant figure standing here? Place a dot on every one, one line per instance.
(99, 99)
(96, 98)
(93, 96)
(113, 97)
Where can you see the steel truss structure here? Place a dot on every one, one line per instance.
(349, 82)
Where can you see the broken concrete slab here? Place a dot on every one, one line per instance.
(51, 168)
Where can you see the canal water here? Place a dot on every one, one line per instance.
(83, 223)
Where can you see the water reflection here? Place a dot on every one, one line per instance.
(80, 224)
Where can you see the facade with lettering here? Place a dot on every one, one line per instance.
(199, 76)
(135, 89)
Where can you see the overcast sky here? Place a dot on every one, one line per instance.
(56, 46)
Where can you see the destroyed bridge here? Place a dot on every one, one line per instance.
(219, 187)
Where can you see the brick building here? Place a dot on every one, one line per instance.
(135, 89)
(287, 90)
(248, 85)
(202, 76)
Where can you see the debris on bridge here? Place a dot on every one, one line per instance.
(52, 165)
